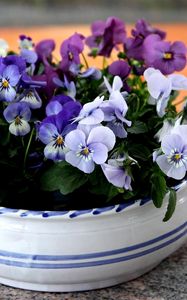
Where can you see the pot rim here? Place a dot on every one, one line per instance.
(71, 214)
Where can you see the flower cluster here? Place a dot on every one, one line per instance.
(104, 135)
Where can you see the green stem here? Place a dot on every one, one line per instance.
(104, 62)
(28, 147)
(85, 61)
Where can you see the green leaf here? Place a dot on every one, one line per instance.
(138, 127)
(139, 151)
(171, 205)
(158, 189)
(128, 195)
(62, 177)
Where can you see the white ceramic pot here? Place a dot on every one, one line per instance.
(83, 250)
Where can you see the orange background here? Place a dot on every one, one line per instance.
(59, 33)
(175, 32)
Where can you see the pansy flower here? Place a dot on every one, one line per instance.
(133, 46)
(53, 129)
(173, 161)
(91, 113)
(18, 115)
(70, 51)
(116, 108)
(116, 174)
(32, 98)
(160, 87)
(25, 42)
(44, 51)
(165, 56)
(106, 35)
(88, 146)
(9, 78)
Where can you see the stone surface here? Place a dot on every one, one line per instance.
(166, 282)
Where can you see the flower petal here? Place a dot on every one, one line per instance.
(87, 166)
(118, 129)
(100, 153)
(8, 94)
(179, 82)
(117, 101)
(53, 152)
(182, 131)
(172, 142)
(47, 132)
(12, 72)
(53, 108)
(74, 139)
(32, 100)
(89, 107)
(117, 84)
(104, 135)
(96, 117)
(21, 129)
(171, 170)
(116, 176)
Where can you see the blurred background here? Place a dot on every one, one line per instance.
(58, 12)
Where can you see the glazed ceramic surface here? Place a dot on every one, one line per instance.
(83, 250)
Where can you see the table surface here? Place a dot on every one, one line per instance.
(166, 282)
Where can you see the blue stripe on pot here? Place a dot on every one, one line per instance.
(73, 214)
(91, 263)
(36, 257)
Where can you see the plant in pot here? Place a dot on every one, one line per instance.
(88, 155)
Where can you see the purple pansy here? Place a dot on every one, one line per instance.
(91, 113)
(32, 98)
(70, 51)
(9, 78)
(61, 102)
(52, 132)
(47, 77)
(116, 174)
(18, 115)
(160, 87)
(91, 73)
(28, 82)
(106, 35)
(44, 50)
(134, 45)
(17, 61)
(115, 110)
(87, 146)
(119, 68)
(143, 29)
(165, 56)
(122, 69)
(174, 160)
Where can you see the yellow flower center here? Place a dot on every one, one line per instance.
(5, 83)
(59, 140)
(85, 151)
(168, 55)
(17, 121)
(177, 156)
